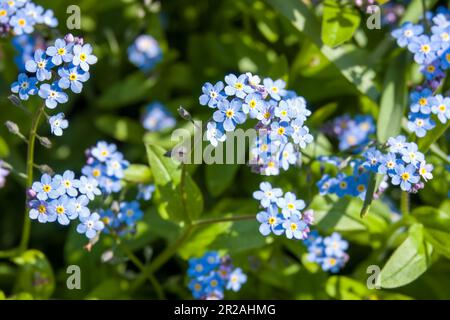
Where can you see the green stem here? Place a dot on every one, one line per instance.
(159, 290)
(171, 250)
(404, 203)
(30, 165)
(425, 20)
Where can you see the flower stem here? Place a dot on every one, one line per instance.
(141, 266)
(171, 250)
(404, 203)
(30, 165)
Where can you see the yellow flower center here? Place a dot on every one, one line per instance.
(390, 164)
(199, 268)
(419, 122)
(423, 171)
(290, 206)
(60, 210)
(264, 147)
(252, 104)
(73, 77)
(293, 226)
(332, 261)
(274, 89)
(42, 209)
(423, 101)
(238, 85)
(444, 36)
(361, 187)
(229, 113)
(212, 94)
(431, 68)
(47, 188)
(442, 108)
(67, 183)
(425, 48)
(280, 131)
(22, 22)
(61, 51)
(197, 287)
(53, 94)
(96, 173)
(272, 220)
(408, 33)
(351, 140)
(213, 283)
(3, 13)
(405, 176)
(343, 185)
(104, 153)
(271, 164)
(83, 57)
(267, 115)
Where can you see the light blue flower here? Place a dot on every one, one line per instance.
(297, 105)
(397, 144)
(47, 188)
(388, 164)
(267, 195)
(237, 86)
(79, 206)
(253, 104)
(290, 205)
(275, 88)
(130, 212)
(61, 209)
(41, 65)
(271, 221)
(52, 95)
(109, 185)
(145, 192)
(294, 227)
(145, 52)
(116, 165)
(424, 49)
(266, 113)
(198, 267)
(21, 23)
(72, 78)
(420, 124)
(83, 57)
(90, 225)
(35, 12)
(373, 159)
(425, 171)
(157, 117)
(39, 211)
(58, 124)
(215, 133)
(335, 245)
(89, 187)
(230, 114)
(103, 151)
(288, 156)
(284, 111)
(60, 52)
(440, 106)
(411, 154)
(406, 32)
(421, 101)
(24, 86)
(211, 94)
(213, 282)
(49, 19)
(197, 288)
(405, 176)
(237, 279)
(280, 131)
(301, 135)
(69, 184)
(5, 13)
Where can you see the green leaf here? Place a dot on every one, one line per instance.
(138, 173)
(393, 100)
(411, 259)
(120, 128)
(200, 241)
(128, 91)
(432, 136)
(372, 187)
(437, 228)
(179, 197)
(339, 23)
(348, 59)
(219, 177)
(35, 275)
(4, 149)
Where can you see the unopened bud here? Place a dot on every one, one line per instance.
(115, 207)
(69, 38)
(12, 127)
(184, 113)
(31, 194)
(45, 142)
(46, 169)
(15, 100)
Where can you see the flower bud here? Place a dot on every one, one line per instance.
(14, 100)
(45, 142)
(12, 127)
(184, 113)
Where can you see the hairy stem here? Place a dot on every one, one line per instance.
(404, 203)
(30, 165)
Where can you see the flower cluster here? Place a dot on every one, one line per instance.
(351, 183)
(106, 166)
(403, 163)
(290, 221)
(281, 115)
(157, 117)
(3, 174)
(432, 52)
(145, 52)
(63, 198)
(350, 132)
(21, 16)
(211, 274)
(329, 252)
(121, 219)
(72, 59)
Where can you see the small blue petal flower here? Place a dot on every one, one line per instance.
(24, 86)
(41, 65)
(230, 114)
(58, 123)
(237, 279)
(60, 52)
(211, 94)
(52, 95)
(90, 225)
(83, 57)
(89, 187)
(72, 78)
